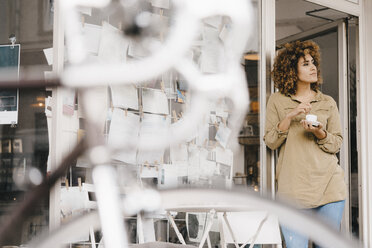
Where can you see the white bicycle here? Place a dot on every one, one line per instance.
(229, 83)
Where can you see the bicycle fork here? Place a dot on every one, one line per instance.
(109, 206)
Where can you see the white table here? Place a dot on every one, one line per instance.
(260, 227)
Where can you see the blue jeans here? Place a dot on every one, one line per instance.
(331, 213)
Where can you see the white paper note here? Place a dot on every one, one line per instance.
(81, 111)
(194, 162)
(203, 134)
(225, 170)
(179, 152)
(149, 172)
(95, 110)
(224, 156)
(210, 59)
(221, 109)
(164, 4)
(210, 35)
(161, 21)
(68, 102)
(83, 162)
(224, 32)
(48, 52)
(222, 135)
(212, 105)
(48, 107)
(214, 21)
(212, 119)
(222, 113)
(113, 46)
(124, 96)
(193, 173)
(124, 126)
(92, 37)
(169, 86)
(207, 168)
(194, 154)
(193, 132)
(73, 202)
(85, 10)
(136, 50)
(168, 177)
(154, 101)
(182, 168)
(152, 125)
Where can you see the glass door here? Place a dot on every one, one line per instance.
(249, 173)
(257, 172)
(354, 182)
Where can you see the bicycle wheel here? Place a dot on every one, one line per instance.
(220, 200)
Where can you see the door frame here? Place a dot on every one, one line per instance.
(346, 6)
(362, 10)
(267, 54)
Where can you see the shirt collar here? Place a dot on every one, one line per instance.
(317, 98)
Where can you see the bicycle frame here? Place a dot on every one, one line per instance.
(229, 84)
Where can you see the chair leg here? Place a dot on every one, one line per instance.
(179, 235)
(222, 233)
(230, 230)
(92, 238)
(140, 236)
(208, 227)
(258, 230)
(209, 242)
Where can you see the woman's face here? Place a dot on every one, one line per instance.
(306, 70)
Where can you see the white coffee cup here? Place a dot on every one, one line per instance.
(313, 119)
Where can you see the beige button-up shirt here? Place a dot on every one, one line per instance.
(307, 170)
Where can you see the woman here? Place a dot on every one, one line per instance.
(307, 173)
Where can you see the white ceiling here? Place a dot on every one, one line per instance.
(291, 17)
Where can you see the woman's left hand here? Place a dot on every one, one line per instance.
(316, 130)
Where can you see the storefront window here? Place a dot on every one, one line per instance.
(208, 158)
(25, 31)
(212, 155)
(249, 138)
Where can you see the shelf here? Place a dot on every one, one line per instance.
(252, 118)
(249, 140)
(13, 196)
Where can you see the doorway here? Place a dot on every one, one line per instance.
(336, 35)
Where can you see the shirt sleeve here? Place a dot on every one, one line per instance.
(332, 142)
(274, 137)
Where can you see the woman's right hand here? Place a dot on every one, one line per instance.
(302, 108)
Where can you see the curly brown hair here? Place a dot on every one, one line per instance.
(285, 66)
